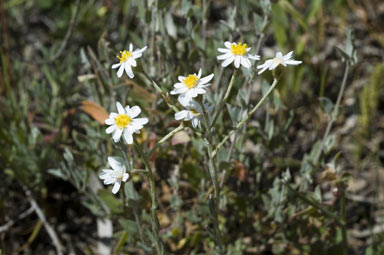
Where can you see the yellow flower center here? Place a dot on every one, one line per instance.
(124, 56)
(239, 49)
(191, 81)
(196, 113)
(122, 120)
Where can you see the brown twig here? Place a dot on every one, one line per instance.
(10, 223)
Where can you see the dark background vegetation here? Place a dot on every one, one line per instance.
(56, 84)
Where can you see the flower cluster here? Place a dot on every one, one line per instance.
(190, 90)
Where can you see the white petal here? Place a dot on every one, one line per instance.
(120, 108)
(184, 101)
(136, 55)
(191, 93)
(228, 61)
(179, 90)
(223, 50)
(113, 115)
(228, 44)
(109, 180)
(273, 66)
(262, 70)
(125, 177)
(248, 61)
(120, 71)
(141, 50)
(245, 62)
(181, 114)
(116, 187)
(114, 164)
(116, 65)
(293, 62)
(178, 85)
(131, 128)
(279, 55)
(140, 121)
(199, 74)
(206, 79)
(132, 62)
(200, 91)
(135, 110)
(128, 137)
(128, 70)
(195, 122)
(110, 129)
(109, 121)
(105, 173)
(181, 78)
(225, 56)
(117, 135)
(288, 56)
(254, 57)
(130, 47)
(189, 116)
(237, 61)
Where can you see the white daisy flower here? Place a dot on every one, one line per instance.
(115, 175)
(238, 53)
(192, 86)
(124, 123)
(128, 60)
(193, 112)
(279, 59)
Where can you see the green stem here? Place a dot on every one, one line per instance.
(343, 221)
(216, 187)
(155, 221)
(165, 138)
(244, 120)
(216, 190)
(162, 92)
(224, 100)
(308, 201)
(137, 219)
(138, 223)
(334, 114)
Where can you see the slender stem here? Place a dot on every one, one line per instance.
(244, 120)
(326, 212)
(138, 223)
(216, 187)
(257, 49)
(334, 114)
(204, 30)
(137, 219)
(224, 100)
(162, 92)
(343, 221)
(165, 138)
(155, 221)
(137, 171)
(50, 230)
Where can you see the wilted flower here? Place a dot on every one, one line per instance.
(124, 123)
(115, 175)
(192, 85)
(193, 112)
(279, 59)
(238, 53)
(128, 60)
